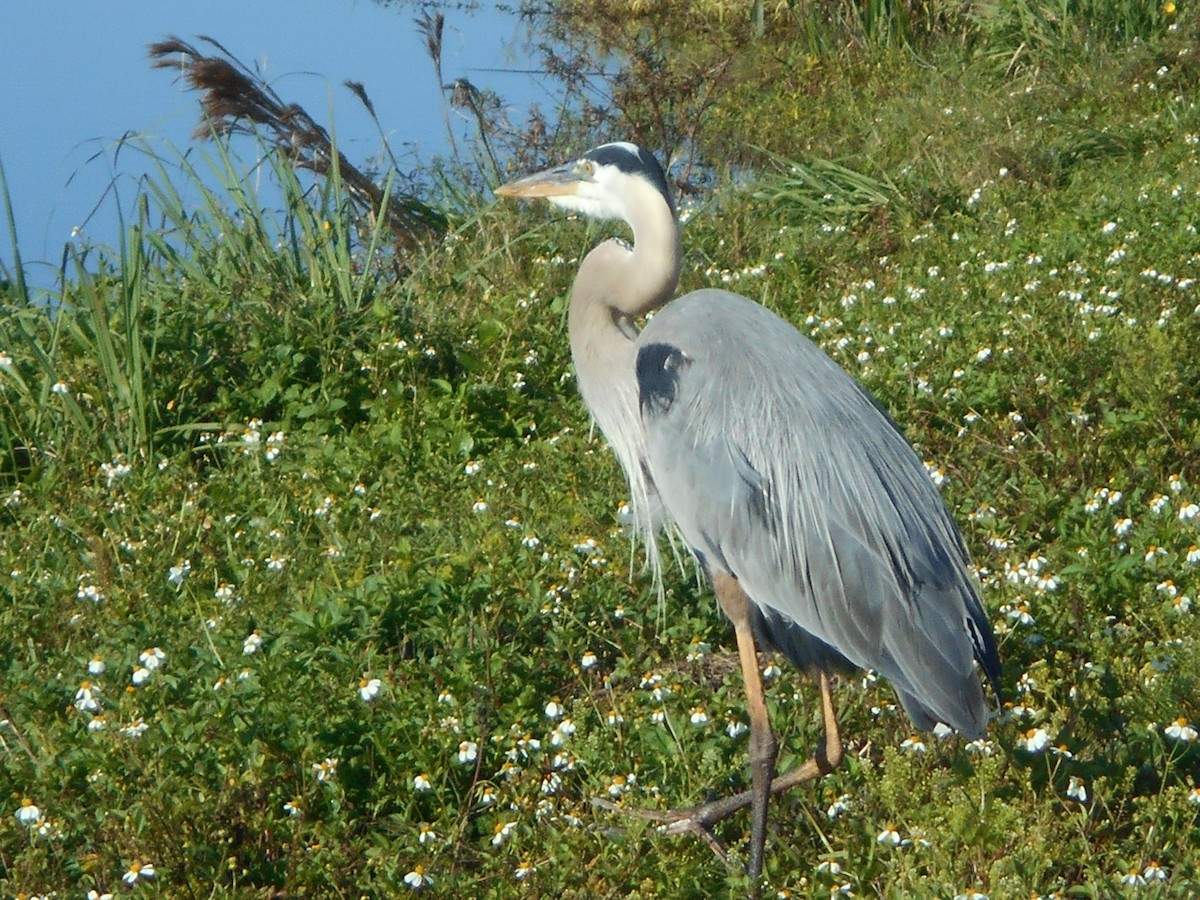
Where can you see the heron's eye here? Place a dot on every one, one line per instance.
(587, 167)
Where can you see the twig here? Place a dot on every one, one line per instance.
(6, 720)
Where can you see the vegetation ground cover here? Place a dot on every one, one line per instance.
(316, 583)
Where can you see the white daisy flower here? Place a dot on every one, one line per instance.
(28, 813)
(86, 699)
(138, 871)
(889, 836)
(1154, 872)
(501, 831)
(368, 688)
(1180, 730)
(417, 879)
(326, 769)
(1035, 740)
(152, 658)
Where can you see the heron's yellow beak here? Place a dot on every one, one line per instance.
(561, 181)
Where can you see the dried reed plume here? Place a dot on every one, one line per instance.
(236, 100)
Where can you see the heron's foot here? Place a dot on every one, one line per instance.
(698, 820)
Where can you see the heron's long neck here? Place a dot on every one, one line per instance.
(615, 285)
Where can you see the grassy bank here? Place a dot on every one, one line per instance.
(315, 582)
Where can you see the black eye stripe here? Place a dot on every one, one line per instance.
(633, 160)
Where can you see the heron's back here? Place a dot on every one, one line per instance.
(780, 469)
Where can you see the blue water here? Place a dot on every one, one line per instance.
(76, 79)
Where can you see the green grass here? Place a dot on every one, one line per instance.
(298, 465)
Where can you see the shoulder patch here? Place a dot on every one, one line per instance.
(658, 368)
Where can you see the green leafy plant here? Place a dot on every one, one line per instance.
(315, 579)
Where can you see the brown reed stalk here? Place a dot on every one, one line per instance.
(235, 100)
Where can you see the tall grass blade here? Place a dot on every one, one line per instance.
(822, 186)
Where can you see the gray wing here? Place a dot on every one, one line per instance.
(780, 469)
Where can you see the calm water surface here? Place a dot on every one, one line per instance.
(76, 79)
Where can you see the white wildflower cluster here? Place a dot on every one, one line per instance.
(326, 769)
(85, 590)
(1018, 613)
(115, 471)
(274, 446)
(1138, 878)
(621, 785)
(252, 643)
(1031, 573)
(1035, 740)
(981, 747)
(134, 729)
(593, 552)
(698, 649)
(556, 596)
(1102, 497)
(843, 804)
(562, 733)
(87, 697)
(149, 661)
(249, 440)
(936, 474)
(732, 276)
(178, 572)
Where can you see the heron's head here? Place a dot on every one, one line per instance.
(614, 181)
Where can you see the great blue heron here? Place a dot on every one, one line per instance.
(816, 523)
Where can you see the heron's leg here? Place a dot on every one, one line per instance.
(763, 746)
